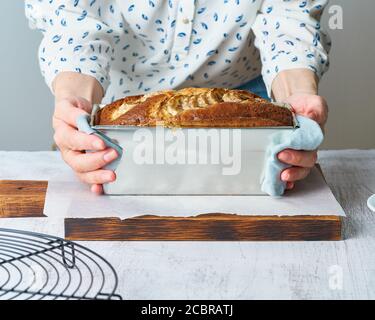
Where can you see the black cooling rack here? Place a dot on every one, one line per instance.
(38, 266)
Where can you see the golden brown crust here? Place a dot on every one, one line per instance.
(195, 107)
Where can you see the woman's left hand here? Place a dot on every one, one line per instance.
(313, 107)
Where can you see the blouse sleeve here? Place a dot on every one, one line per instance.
(76, 36)
(288, 35)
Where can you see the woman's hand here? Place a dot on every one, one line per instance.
(313, 107)
(74, 93)
(72, 144)
(299, 88)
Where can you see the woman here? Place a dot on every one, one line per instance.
(96, 50)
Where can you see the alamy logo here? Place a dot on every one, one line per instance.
(336, 18)
(209, 146)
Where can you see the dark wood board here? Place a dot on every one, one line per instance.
(22, 198)
(207, 227)
(26, 199)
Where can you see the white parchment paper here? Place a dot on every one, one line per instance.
(74, 199)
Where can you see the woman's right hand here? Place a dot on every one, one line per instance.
(73, 143)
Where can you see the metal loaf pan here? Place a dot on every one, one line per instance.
(225, 161)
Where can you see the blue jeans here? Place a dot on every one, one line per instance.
(256, 86)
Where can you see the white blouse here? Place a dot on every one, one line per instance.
(134, 46)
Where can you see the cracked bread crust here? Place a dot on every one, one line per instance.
(195, 107)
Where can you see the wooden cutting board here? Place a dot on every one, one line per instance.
(22, 198)
(26, 199)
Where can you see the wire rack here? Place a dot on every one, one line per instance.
(36, 266)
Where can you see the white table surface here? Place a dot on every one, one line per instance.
(235, 270)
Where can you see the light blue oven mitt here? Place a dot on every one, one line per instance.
(308, 136)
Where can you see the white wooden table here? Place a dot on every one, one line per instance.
(236, 270)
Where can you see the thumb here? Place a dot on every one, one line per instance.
(310, 106)
(82, 103)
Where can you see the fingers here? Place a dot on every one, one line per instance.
(88, 166)
(85, 162)
(68, 138)
(306, 159)
(68, 112)
(289, 185)
(97, 189)
(294, 174)
(312, 106)
(82, 104)
(96, 178)
(77, 102)
(316, 110)
(302, 162)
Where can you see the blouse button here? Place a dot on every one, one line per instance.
(185, 20)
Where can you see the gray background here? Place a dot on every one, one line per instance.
(27, 104)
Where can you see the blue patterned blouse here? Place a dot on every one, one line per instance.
(134, 46)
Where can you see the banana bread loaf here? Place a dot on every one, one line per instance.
(195, 107)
